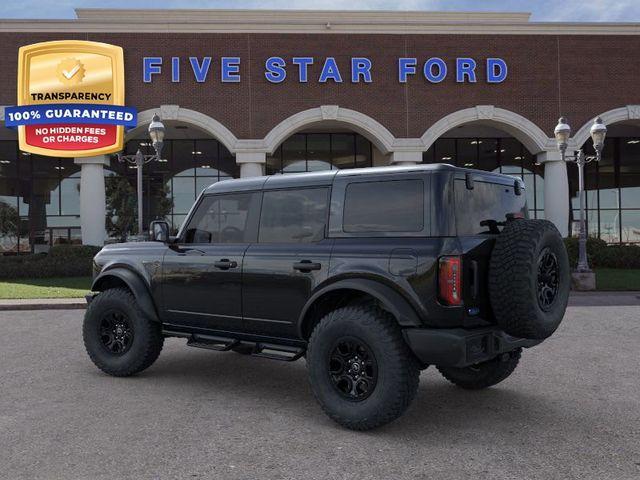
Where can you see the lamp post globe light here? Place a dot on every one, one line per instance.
(156, 134)
(583, 277)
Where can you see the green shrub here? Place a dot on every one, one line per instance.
(601, 255)
(61, 261)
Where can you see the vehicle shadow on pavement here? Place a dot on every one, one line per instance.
(268, 386)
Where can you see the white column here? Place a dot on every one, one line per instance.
(406, 158)
(251, 163)
(556, 190)
(92, 199)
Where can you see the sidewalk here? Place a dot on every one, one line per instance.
(604, 299)
(43, 304)
(576, 299)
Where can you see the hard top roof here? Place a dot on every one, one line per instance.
(326, 177)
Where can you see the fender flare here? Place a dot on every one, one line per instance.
(394, 302)
(137, 286)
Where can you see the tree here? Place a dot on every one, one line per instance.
(121, 207)
(9, 221)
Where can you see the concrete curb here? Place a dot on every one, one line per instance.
(576, 299)
(43, 304)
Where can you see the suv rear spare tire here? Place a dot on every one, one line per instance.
(529, 279)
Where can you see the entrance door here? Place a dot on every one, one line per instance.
(202, 273)
(290, 259)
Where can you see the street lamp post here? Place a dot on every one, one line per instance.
(562, 133)
(156, 133)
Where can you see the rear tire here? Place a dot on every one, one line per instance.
(529, 279)
(118, 337)
(361, 371)
(485, 374)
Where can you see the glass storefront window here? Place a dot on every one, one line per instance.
(343, 150)
(318, 151)
(70, 195)
(181, 161)
(630, 225)
(488, 154)
(511, 157)
(364, 152)
(612, 190)
(445, 151)
(307, 152)
(184, 194)
(294, 154)
(467, 152)
(610, 226)
(274, 162)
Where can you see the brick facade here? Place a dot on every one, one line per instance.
(575, 75)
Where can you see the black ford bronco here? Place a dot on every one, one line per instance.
(369, 274)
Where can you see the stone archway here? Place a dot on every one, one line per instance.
(622, 114)
(521, 128)
(363, 124)
(185, 115)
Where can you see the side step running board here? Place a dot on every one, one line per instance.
(278, 352)
(272, 351)
(211, 342)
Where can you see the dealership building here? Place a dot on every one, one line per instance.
(246, 93)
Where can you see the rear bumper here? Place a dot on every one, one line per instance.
(459, 347)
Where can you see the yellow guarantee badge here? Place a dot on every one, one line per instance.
(71, 99)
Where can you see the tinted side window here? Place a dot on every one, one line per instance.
(229, 218)
(485, 203)
(294, 216)
(388, 206)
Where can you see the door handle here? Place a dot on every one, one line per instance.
(306, 266)
(225, 264)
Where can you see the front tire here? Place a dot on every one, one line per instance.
(118, 337)
(360, 369)
(485, 374)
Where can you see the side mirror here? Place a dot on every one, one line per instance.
(159, 231)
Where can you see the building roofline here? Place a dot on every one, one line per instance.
(310, 21)
(285, 15)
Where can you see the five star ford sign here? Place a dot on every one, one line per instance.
(70, 99)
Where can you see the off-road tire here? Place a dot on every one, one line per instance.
(514, 278)
(147, 339)
(398, 370)
(483, 375)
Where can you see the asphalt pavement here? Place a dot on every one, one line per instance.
(571, 410)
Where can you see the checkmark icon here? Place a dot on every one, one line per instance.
(71, 73)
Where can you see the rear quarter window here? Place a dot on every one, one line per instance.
(384, 206)
(485, 203)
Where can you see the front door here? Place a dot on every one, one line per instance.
(202, 272)
(289, 260)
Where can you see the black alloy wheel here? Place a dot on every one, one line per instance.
(353, 369)
(548, 278)
(116, 333)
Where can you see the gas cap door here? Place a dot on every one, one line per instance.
(403, 262)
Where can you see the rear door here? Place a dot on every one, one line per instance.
(202, 273)
(289, 260)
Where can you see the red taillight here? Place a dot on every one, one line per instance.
(450, 280)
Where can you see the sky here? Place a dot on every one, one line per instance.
(542, 10)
